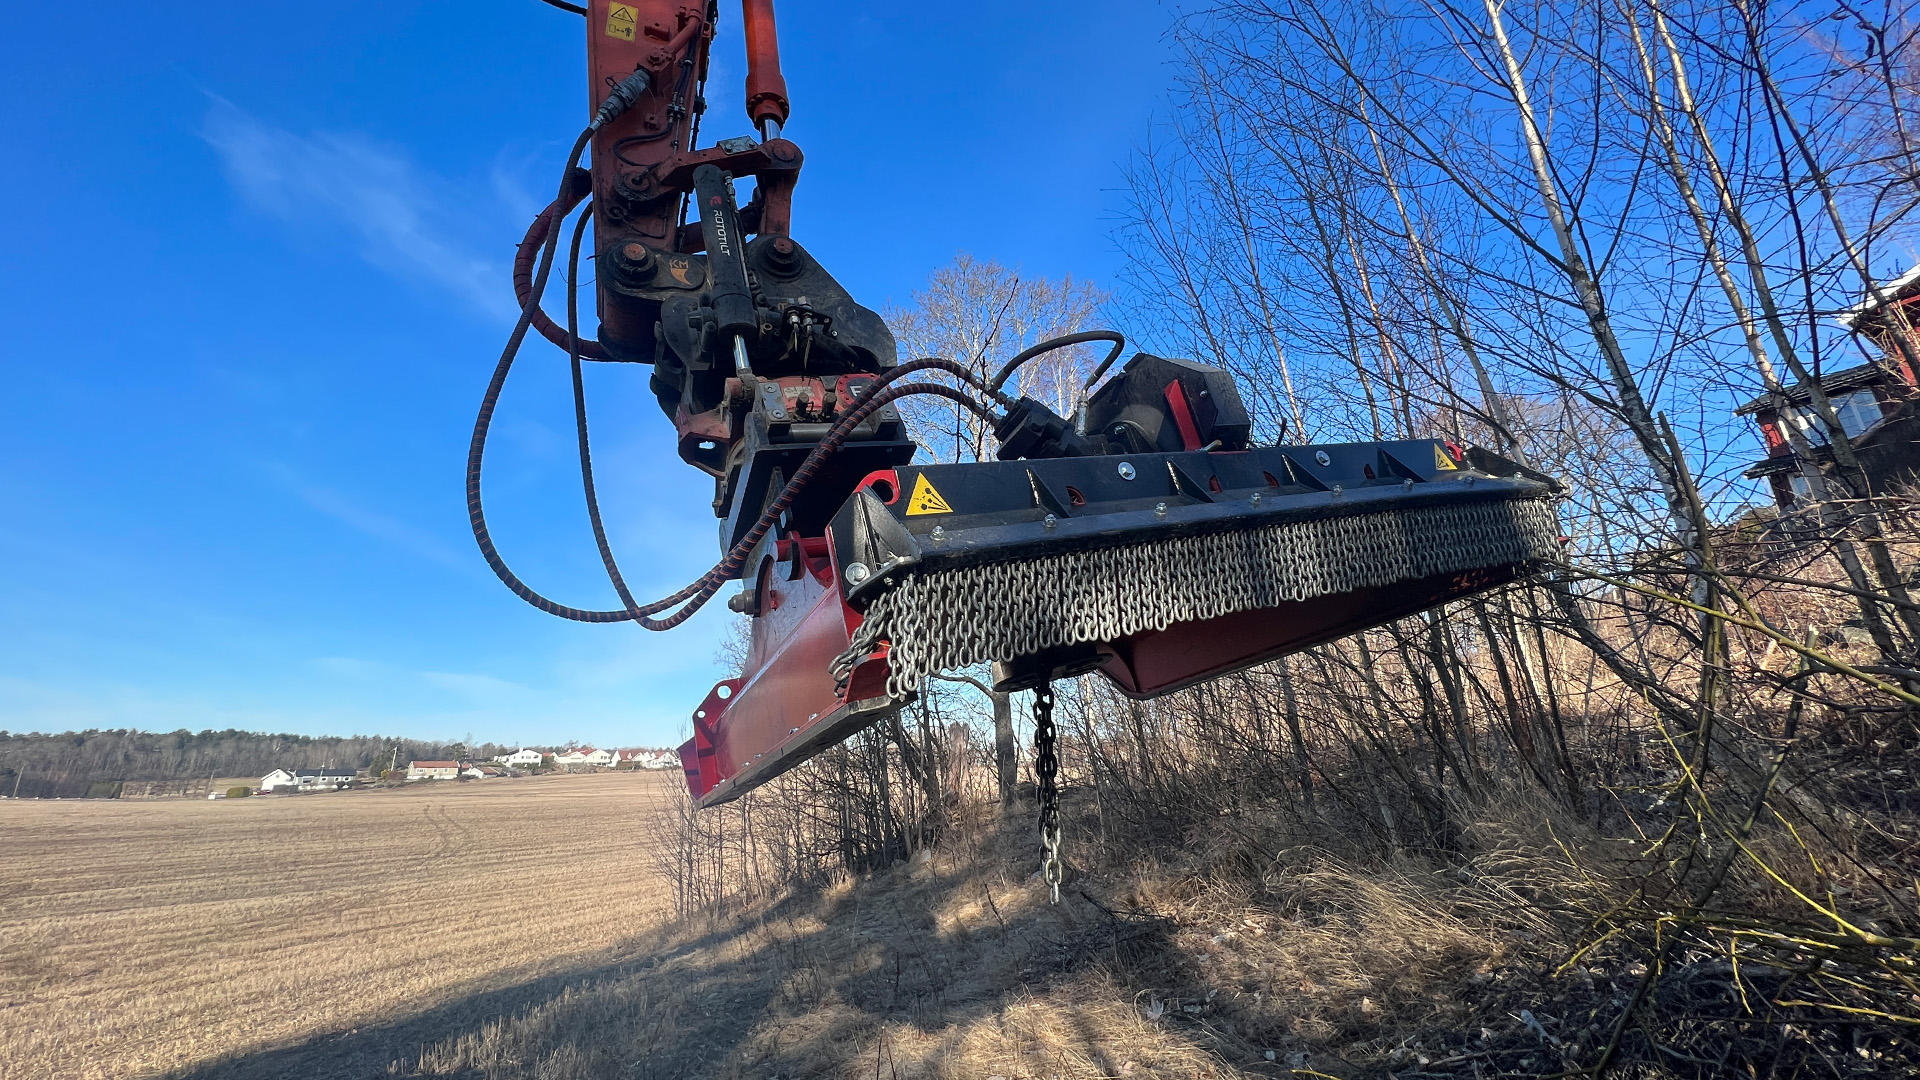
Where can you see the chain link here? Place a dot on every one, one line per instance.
(1046, 767)
(949, 619)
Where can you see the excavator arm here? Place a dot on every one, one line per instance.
(1145, 537)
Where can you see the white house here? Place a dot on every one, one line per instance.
(278, 778)
(433, 770)
(648, 759)
(599, 757)
(323, 779)
(570, 757)
(522, 758)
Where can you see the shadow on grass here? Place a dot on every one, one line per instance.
(792, 987)
(394, 1047)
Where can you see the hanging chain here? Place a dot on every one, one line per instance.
(1046, 766)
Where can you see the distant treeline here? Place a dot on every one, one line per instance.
(78, 764)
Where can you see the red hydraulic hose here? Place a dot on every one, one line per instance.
(523, 265)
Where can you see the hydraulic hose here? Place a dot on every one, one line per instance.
(727, 568)
(873, 397)
(528, 255)
(1119, 344)
(477, 447)
(546, 233)
(580, 420)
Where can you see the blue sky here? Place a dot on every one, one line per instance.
(255, 278)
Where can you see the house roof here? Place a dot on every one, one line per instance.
(1832, 382)
(323, 772)
(433, 765)
(1899, 288)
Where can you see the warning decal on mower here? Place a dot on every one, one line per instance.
(925, 500)
(1441, 460)
(620, 22)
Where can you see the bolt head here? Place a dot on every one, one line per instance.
(858, 572)
(1160, 509)
(939, 533)
(1126, 470)
(1321, 457)
(1050, 521)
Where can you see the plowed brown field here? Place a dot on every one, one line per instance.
(138, 938)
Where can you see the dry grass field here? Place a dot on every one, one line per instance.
(141, 938)
(517, 930)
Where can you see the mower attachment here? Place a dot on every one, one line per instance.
(1161, 570)
(794, 704)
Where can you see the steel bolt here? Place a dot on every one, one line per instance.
(1256, 498)
(857, 572)
(1159, 509)
(1050, 521)
(939, 533)
(1338, 491)
(1321, 457)
(1126, 470)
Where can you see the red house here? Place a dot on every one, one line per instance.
(1878, 403)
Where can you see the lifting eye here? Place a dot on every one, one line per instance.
(884, 491)
(1271, 481)
(1074, 497)
(1368, 469)
(1213, 483)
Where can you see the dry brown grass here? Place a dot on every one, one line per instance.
(137, 938)
(519, 931)
(952, 966)
(514, 929)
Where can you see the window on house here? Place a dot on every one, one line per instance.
(1858, 410)
(1802, 491)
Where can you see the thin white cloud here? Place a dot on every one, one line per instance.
(371, 522)
(394, 211)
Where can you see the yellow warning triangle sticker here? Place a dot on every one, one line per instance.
(925, 500)
(1441, 460)
(620, 22)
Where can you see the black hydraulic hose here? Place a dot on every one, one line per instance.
(876, 395)
(564, 6)
(477, 448)
(580, 419)
(1119, 344)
